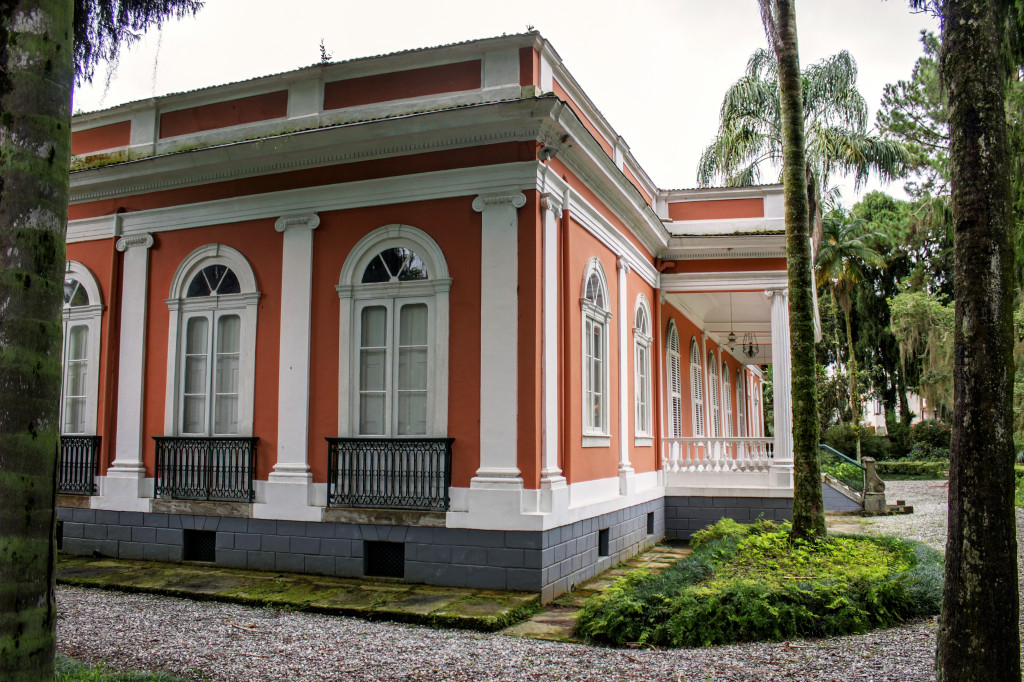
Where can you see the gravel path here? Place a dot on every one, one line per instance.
(210, 641)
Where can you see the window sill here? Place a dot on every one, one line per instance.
(643, 441)
(596, 441)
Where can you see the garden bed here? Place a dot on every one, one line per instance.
(755, 582)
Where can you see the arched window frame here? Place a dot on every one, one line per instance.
(741, 401)
(596, 422)
(643, 422)
(727, 398)
(696, 389)
(354, 296)
(674, 373)
(715, 388)
(90, 317)
(181, 308)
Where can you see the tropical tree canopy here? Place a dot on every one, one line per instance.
(837, 139)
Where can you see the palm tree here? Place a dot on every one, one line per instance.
(779, 19)
(844, 251)
(48, 45)
(836, 136)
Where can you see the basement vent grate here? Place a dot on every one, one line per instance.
(384, 559)
(200, 545)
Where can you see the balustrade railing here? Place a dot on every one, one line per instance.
(79, 458)
(392, 473)
(218, 468)
(707, 454)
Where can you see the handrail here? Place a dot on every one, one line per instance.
(841, 468)
(840, 455)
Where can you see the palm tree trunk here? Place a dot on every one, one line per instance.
(808, 510)
(854, 395)
(979, 635)
(36, 73)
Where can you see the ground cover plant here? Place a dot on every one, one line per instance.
(755, 582)
(71, 670)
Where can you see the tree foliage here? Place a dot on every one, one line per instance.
(923, 327)
(835, 116)
(102, 27)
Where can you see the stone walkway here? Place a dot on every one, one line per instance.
(556, 621)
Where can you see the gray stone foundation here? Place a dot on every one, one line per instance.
(549, 562)
(686, 515)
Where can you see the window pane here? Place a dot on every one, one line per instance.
(374, 328)
(412, 413)
(195, 336)
(229, 284)
(74, 415)
(194, 419)
(414, 269)
(413, 326)
(376, 272)
(229, 331)
(77, 342)
(195, 375)
(394, 259)
(371, 414)
(74, 293)
(226, 415)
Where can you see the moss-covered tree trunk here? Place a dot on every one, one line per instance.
(808, 510)
(36, 73)
(855, 409)
(979, 629)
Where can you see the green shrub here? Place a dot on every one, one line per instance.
(843, 471)
(742, 584)
(842, 438)
(71, 670)
(932, 432)
(907, 468)
(926, 452)
(899, 436)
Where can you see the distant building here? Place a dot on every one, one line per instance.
(420, 315)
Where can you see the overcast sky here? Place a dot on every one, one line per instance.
(657, 69)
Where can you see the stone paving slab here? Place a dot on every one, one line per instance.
(557, 620)
(464, 608)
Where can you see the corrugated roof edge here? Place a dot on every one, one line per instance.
(733, 187)
(301, 131)
(315, 66)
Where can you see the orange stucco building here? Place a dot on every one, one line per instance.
(420, 315)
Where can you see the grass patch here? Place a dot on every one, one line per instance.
(755, 582)
(70, 670)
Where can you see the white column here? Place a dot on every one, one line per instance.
(781, 386)
(627, 482)
(289, 485)
(550, 474)
(125, 485)
(499, 329)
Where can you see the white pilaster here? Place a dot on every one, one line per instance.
(289, 485)
(782, 382)
(626, 472)
(550, 474)
(499, 328)
(125, 485)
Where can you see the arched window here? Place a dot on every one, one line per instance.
(211, 361)
(596, 315)
(727, 397)
(716, 418)
(642, 367)
(741, 402)
(675, 383)
(81, 316)
(393, 378)
(696, 388)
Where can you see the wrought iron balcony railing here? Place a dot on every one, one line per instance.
(217, 468)
(79, 458)
(390, 473)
